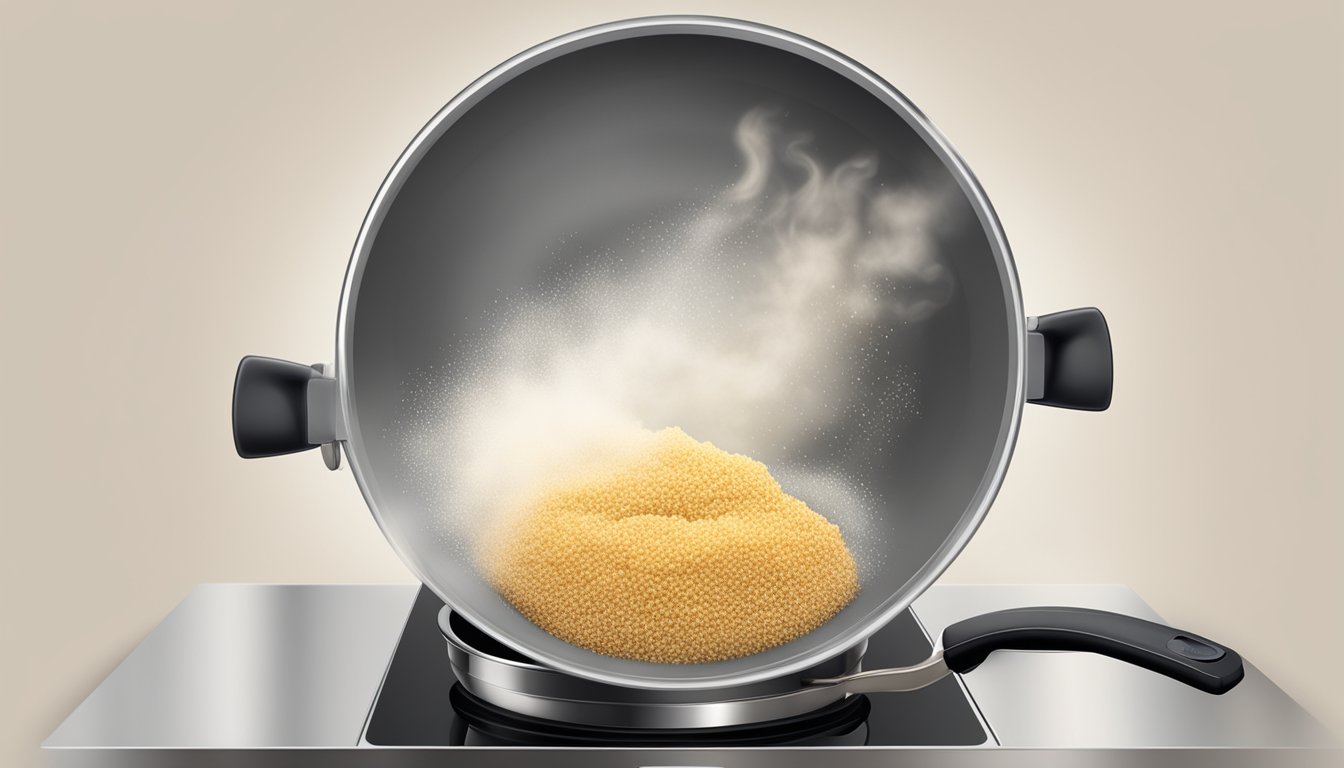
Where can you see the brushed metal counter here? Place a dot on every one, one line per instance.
(283, 674)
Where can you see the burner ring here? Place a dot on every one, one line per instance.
(836, 719)
(496, 675)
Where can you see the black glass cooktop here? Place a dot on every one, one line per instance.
(421, 705)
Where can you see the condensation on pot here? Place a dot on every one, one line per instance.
(746, 316)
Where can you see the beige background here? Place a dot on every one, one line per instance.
(182, 184)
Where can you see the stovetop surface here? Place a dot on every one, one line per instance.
(267, 674)
(420, 704)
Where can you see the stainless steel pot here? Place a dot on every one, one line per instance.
(523, 192)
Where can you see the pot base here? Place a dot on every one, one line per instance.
(503, 680)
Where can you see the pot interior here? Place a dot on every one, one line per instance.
(712, 229)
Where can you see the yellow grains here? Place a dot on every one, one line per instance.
(684, 554)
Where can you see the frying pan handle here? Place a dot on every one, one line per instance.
(1183, 656)
(281, 407)
(1069, 362)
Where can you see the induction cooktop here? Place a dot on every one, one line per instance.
(421, 704)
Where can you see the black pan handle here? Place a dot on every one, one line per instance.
(270, 407)
(1069, 354)
(1180, 655)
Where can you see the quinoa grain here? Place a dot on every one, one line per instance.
(685, 554)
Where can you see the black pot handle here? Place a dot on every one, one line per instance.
(1069, 360)
(1180, 655)
(270, 407)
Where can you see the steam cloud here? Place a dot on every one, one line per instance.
(736, 323)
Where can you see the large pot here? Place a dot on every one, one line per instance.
(503, 233)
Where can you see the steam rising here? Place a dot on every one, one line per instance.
(736, 319)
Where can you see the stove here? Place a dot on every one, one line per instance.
(345, 675)
(420, 704)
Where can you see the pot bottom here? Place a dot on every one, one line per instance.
(500, 685)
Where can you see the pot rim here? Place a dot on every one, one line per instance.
(1014, 402)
